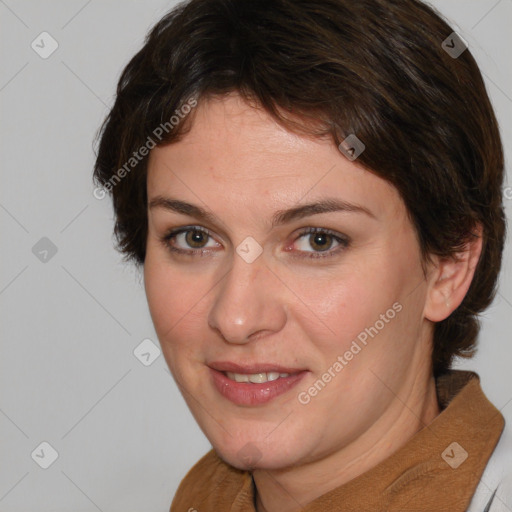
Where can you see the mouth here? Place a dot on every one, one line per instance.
(256, 378)
(252, 385)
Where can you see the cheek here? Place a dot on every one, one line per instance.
(368, 316)
(173, 295)
(348, 302)
(174, 305)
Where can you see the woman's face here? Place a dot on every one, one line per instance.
(248, 290)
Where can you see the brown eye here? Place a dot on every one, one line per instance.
(195, 238)
(321, 241)
(189, 241)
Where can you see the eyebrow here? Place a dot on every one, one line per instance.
(280, 217)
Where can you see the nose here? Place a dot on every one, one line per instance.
(249, 302)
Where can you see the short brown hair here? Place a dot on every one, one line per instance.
(374, 68)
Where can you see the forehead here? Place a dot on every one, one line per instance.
(239, 152)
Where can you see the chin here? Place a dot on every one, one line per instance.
(249, 455)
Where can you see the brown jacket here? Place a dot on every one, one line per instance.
(438, 469)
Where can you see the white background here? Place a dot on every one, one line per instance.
(69, 326)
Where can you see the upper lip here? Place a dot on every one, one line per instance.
(227, 366)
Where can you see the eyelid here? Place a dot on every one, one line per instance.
(173, 233)
(343, 240)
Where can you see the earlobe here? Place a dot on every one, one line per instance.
(451, 278)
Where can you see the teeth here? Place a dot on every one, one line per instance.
(240, 378)
(256, 378)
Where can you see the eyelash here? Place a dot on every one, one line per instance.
(342, 240)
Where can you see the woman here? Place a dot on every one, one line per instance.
(313, 188)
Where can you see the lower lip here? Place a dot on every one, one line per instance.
(248, 393)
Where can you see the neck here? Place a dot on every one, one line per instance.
(291, 489)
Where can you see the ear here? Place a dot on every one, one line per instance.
(450, 278)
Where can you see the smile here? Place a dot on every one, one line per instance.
(256, 378)
(250, 389)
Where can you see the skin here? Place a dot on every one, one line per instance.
(290, 309)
